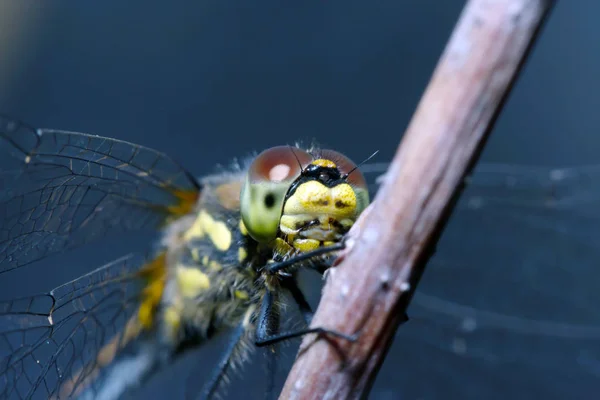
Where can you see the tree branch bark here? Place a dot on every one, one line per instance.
(368, 292)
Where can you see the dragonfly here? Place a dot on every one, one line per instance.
(231, 245)
(224, 258)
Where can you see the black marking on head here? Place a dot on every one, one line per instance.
(328, 176)
(340, 204)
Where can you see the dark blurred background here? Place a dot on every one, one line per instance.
(207, 81)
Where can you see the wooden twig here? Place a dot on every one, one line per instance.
(368, 292)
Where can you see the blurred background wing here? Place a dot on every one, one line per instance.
(64, 189)
(519, 237)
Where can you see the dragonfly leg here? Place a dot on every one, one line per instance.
(263, 337)
(298, 296)
(211, 387)
(271, 354)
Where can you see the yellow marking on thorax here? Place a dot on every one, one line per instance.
(205, 261)
(243, 229)
(195, 254)
(217, 231)
(215, 265)
(241, 295)
(242, 254)
(321, 162)
(155, 275)
(197, 229)
(191, 281)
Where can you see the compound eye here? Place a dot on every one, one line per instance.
(278, 164)
(263, 194)
(347, 167)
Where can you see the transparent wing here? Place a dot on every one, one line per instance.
(511, 296)
(63, 189)
(53, 345)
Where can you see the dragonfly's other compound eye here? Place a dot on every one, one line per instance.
(346, 167)
(268, 180)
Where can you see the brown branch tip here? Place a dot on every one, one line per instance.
(368, 292)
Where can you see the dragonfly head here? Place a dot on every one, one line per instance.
(306, 199)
